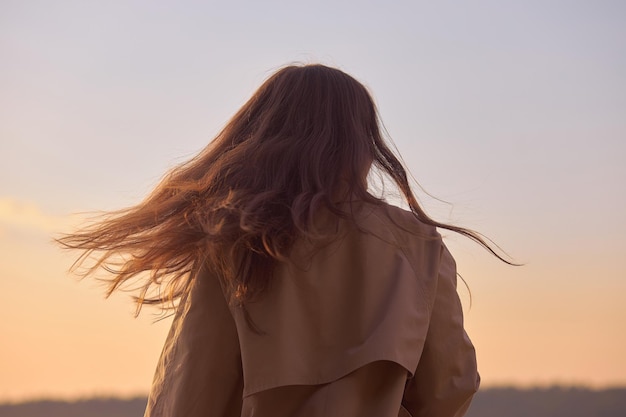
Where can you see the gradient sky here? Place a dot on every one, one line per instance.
(514, 112)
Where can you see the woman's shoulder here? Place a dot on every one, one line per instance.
(391, 221)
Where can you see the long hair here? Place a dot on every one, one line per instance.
(303, 142)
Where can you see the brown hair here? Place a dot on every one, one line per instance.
(304, 141)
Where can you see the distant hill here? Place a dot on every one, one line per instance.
(549, 402)
(494, 402)
(97, 407)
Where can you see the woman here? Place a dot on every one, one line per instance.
(299, 292)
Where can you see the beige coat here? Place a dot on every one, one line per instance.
(370, 325)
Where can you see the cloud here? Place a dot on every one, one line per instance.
(21, 215)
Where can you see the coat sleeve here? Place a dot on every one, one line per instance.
(446, 377)
(199, 372)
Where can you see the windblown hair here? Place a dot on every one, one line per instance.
(303, 142)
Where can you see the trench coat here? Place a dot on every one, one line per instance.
(368, 325)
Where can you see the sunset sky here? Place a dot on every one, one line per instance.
(511, 112)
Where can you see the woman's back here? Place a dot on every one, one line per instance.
(338, 332)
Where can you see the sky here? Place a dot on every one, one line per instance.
(511, 113)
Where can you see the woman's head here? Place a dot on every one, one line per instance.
(308, 129)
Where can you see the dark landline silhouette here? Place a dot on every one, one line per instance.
(493, 402)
